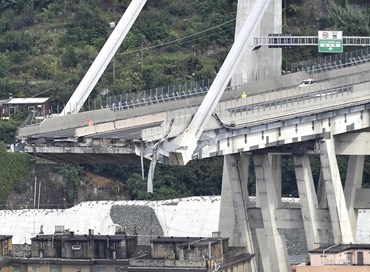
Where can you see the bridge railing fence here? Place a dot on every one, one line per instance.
(266, 103)
(190, 89)
(181, 91)
(152, 96)
(331, 62)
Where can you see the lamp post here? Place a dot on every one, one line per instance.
(112, 25)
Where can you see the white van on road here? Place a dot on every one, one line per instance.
(307, 82)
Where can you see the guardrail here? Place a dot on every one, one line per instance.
(331, 62)
(323, 94)
(324, 64)
(187, 90)
(155, 99)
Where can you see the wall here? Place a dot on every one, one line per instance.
(340, 258)
(333, 268)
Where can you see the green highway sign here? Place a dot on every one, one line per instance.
(331, 46)
(330, 42)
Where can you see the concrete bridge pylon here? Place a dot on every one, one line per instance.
(259, 226)
(264, 62)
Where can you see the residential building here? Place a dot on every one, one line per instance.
(5, 246)
(65, 251)
(40, 107)
(5, 251)
(195, 253)
(340, 257)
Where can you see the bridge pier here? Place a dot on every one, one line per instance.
(355, 170)
(260, 227)
(268, 199)
(265, 62)
(235, 202)
(339, 217)
(307, 197)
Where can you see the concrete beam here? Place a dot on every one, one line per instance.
(275, 161)
(234, 221)
(308, 198)
(267, 200)
(124, 124)
(289, 218)
(191, 135)
(354, 143)
(355, 170)
(102, 60)
(339, 217)
(362, 199)
(234, 200)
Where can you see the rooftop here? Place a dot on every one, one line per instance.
(32, 100)
(339, 248)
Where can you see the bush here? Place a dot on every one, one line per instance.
(14, 170)
(17, 41)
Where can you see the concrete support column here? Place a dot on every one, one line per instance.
(234, 222)
(267, 199)
(264, 62)
(275, 160)
(321, 194)
(339, 217)
(355, 170)
(307, 197)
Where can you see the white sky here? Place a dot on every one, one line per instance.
(194, 216)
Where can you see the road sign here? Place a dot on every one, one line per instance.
(330, 42)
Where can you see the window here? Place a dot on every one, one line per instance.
(76, 247)
(101, 269)
(11, 110)
(54, 269)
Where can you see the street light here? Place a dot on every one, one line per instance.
(112, 25)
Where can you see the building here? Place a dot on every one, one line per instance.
(340, 257)
(5, 251)
(39, 106)
(5, 246)
(195, 253)
(64, 251)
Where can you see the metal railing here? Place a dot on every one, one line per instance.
(322, 94)
(158, 95)
(156, 98)
(289, 40)
(187, 90)
(331, 62)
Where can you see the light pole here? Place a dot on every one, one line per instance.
(112, 25)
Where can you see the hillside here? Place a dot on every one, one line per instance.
(47, 46)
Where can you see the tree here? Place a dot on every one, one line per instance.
(14, 170)
(71, 173)
(352, 20)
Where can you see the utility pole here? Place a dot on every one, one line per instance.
(112, 25)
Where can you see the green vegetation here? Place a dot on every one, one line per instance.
(47, 46)
(71, 174)
(14, 170)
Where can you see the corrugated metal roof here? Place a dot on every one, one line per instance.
(33, 100)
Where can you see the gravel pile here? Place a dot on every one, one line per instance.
(140, 220)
